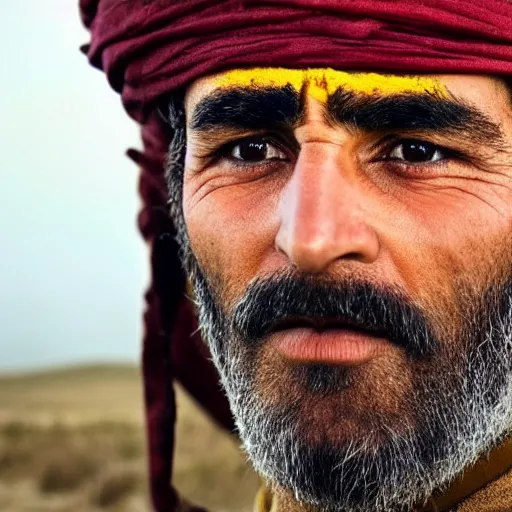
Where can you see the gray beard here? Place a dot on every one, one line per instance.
(465, 414)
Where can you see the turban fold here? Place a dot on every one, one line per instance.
(150, 48)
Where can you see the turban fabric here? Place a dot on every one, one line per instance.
(150, 48)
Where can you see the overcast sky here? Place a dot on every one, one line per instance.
(73, 266)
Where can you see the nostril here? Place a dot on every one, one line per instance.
(352, 256)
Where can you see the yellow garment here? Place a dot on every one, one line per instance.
(485, 487)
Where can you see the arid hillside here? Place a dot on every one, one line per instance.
(73, 440)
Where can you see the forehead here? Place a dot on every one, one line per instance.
(488, 93)
(321, 82)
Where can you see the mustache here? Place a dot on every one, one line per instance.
(283, 301)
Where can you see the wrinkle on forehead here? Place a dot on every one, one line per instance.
(320, 83)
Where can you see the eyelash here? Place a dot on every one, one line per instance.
(387, 146)
(224, 152)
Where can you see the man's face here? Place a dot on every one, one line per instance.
(349, 238)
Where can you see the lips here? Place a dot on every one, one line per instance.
(323, 340)
(323, 324)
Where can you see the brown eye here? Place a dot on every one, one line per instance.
(256, 150)
(416, 151)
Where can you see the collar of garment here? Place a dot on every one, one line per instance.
(486, 470)
(482, 473)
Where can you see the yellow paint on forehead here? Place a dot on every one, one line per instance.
(321, 82)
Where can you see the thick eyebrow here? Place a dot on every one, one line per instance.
(413, 112)
(251, 108)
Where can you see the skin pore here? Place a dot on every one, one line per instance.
(377, 202)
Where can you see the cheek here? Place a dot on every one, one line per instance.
(445, 239)
(232, 232)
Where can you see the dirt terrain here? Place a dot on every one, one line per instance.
(73, 440)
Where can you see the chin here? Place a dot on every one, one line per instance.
(338, 404)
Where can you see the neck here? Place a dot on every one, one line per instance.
(487, 469)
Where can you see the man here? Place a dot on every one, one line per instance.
(342, 197)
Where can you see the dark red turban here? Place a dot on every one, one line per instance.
(149, 48)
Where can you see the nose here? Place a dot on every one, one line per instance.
(323, 213)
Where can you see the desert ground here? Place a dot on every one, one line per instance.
(73, 440)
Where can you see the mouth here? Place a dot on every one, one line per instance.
(323, 324)
(342, 341)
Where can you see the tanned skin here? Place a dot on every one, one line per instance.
(324, 196)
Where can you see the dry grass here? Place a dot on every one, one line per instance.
(115, 487)
(62, 473)
(73, 440)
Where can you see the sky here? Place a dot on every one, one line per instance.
(73, 267)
